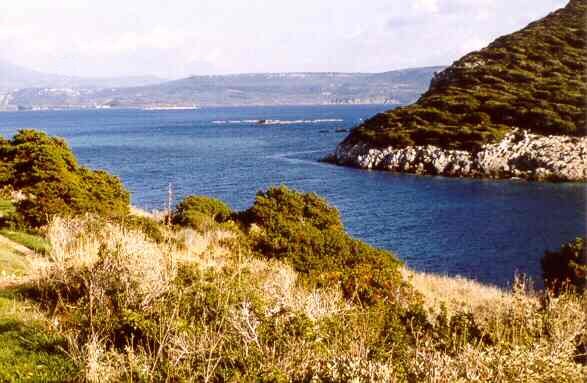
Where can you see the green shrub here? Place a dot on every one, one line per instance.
(566, 267)
(149, 226)
(306, 231)
(45, 170)
(200, 212)
(6, 207)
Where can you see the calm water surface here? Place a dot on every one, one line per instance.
(487, 230)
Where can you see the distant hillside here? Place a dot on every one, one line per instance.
(17, 77)
(395, 87)
(534, 79)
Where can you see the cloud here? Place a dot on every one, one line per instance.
(471, 44)
(114, 37)
(426, 6)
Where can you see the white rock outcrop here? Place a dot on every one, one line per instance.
(519, 154)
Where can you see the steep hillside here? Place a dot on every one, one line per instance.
(534, 79)
(513, 109)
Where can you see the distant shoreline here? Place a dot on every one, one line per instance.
(184, 108)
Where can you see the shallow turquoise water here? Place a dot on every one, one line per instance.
(486, 230)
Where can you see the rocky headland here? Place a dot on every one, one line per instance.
(519, 154)
(513, 109)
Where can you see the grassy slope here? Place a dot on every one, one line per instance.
(534, 79)
(230, 316)
(12, 256)
(6, 208)
(30, 241)
(260, 320)
(12, 261)
(30, 351)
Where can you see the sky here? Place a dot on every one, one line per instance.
(178, 38)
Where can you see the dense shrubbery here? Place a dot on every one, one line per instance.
(200, 212)
(566, 268)
(533, 79)
(305, 231)
(46, 172)
(135, 310)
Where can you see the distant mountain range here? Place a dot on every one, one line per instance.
(26, 89)
(16, 77)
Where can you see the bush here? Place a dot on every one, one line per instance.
(304, 230)
(566, 267)
(148, 226)
(200, 212)
(46, 171)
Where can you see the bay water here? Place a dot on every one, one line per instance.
(482, 229)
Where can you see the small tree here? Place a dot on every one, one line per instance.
(304, 230)
(46, 171)
(200, 212)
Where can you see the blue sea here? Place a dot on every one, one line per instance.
(486, 230)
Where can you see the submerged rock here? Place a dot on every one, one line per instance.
(520, 154)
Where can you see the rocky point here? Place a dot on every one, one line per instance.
(520, 154)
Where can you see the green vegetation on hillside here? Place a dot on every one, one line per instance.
(200, 212)
(29, 350)
(305, 231)
(204, 306)
(46, 172)
(534, 79)
(33, 242)
(6, 208)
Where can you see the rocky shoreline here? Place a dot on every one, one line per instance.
(520, 154)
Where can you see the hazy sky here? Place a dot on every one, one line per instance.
(175, 38)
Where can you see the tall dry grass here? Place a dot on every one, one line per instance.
(530, 336)
(200, 307)
(96, 269)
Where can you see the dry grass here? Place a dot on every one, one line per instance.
(547, 358)
(157, 215)
(105, 257)
(107, 250)
(205, 249)
(533, 336)
(211, 312)
(455, 293)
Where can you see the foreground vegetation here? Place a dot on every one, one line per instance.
(31, 349)
(533, 79)
(276, 293)
(116, 305)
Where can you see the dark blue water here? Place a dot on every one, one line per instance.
(486, 230)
